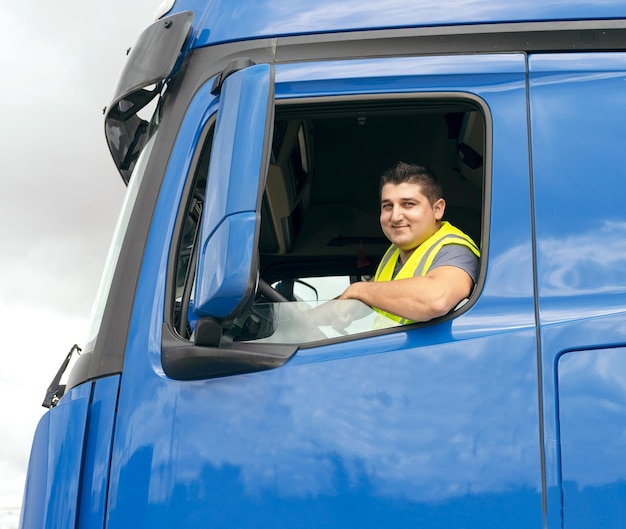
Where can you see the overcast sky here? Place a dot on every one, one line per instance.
(60, 194)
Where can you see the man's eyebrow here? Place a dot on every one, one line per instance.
(401, 199)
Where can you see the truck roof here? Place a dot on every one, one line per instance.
(219, 21)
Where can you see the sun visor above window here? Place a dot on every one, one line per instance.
(154, 59)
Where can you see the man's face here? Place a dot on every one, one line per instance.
(407, 217)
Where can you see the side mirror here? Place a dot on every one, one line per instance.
(154, 58)
(227, 270)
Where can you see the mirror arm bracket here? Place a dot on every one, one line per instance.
(182, 360)
(208, 333)
(232, 67)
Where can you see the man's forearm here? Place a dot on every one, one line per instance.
(417, 298)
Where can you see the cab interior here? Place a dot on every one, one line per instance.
(321, 203)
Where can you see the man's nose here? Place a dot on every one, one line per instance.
(396, 213)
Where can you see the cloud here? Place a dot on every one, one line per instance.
(59, 194)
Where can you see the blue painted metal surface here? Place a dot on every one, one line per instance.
(267, 18)
(69, 467)
(97, 452)
(578, 115)
(592, 414)
(580, 217)
(353, 442)
(54, 471)
(437, 425)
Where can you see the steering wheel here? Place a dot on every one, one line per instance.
(270, 293)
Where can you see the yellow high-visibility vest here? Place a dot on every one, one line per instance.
(421, 259)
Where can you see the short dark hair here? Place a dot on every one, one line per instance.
(410, 173)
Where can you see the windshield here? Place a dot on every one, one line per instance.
(116, 244)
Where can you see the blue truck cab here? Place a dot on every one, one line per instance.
(251, 136)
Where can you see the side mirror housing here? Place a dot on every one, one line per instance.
(224, 281)
(226, 274)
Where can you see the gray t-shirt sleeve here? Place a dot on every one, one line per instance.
(457, 255)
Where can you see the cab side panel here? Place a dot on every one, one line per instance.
(53, 481)
(97, 455)
(578, 111)
(592, 425)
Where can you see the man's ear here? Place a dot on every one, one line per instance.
(439, 207)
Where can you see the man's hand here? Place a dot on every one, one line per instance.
(338, 314)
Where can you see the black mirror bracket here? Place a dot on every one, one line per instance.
(232, 67)
(208, 333)
(182, 360)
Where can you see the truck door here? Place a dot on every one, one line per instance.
(578, 129)
(432, 424)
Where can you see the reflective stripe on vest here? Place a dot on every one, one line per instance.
(420, 261)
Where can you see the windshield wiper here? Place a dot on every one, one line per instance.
(56, 389)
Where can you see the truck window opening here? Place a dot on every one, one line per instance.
(320, 210)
